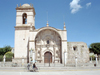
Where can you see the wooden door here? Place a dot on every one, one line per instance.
(48, 57)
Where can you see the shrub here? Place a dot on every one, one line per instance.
(93, 57)
(9, 56)
(1, 57)
(4, 50)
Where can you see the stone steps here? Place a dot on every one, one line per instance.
(51, 65)
(10, 64)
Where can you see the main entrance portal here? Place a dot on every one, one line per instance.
(48, 41)
(48, 57)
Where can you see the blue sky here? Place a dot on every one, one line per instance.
(82, 18)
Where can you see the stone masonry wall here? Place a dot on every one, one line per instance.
(79, 50)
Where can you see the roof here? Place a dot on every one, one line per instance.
(25, 6)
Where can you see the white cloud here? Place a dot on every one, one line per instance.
(75, 6)
(88, 4)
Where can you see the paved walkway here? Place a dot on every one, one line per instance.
(53, 73)
(49, 69)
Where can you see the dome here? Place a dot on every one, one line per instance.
(25, 5)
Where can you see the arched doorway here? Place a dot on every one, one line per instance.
(48, 39)
(47, 57)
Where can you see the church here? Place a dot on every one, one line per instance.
(44, 45)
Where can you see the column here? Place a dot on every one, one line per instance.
(54, 54)
(33, 56)
(76, 61)
(4, 58)
(96, 60)
(65, 58)
(22, 61)
(91, 59)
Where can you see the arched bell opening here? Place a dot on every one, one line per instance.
(24, 17)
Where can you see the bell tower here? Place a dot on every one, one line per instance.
(25, 24)
(25, 15)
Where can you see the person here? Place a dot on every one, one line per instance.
(34, 66)
(28, 66)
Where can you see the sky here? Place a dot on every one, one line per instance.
(81, 17)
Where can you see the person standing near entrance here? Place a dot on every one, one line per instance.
(34, 66)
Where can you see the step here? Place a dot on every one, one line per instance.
(51, 64)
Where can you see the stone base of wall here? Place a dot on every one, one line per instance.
(19, 60)
(73, 61)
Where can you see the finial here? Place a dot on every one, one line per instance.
(64, 26)
(20, 4)
(31, 4)
(17, 5)
(47, 24)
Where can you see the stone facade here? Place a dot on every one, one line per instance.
(77, 50)
(45, 43)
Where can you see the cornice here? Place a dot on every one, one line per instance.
(31, 41)
(24, 27)
(26, 9)
(64, 30)
(21, 15)
(49, 27)
(23, 8)
(64, 40)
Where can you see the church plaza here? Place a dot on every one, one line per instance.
(68, 71)
(53, 73)
(48, 47)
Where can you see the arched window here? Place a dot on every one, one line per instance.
(24, 18)
(47, 41)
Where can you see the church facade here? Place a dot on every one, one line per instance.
(44, 45)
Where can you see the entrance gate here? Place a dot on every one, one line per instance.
(48, 57)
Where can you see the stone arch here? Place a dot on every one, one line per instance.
(48, 28)
(48, 50)
(45, 36)
(55, 42)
